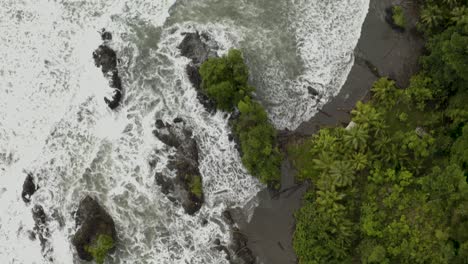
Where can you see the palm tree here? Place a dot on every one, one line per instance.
(356, 137)
(459, 15)
(342, 174)
(360, 161)
(431, 17)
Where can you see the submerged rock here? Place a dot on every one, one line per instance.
(237, 251)
(194, 46)
(187, 187)
(29, 188)
(41, 230)
(94, 225)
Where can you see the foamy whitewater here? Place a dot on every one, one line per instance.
(54, 122)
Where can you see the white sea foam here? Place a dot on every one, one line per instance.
(55, 124)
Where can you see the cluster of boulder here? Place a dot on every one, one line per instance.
(91, 219)
(186, 188)
(106, 58)
(41, 229)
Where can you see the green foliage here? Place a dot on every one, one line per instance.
(393, 188)
(100, 247)
(398, 16)
(196, 186)
(225, 79)
(257, 137)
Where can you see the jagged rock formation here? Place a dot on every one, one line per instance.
(194, 46)
(186, 188)
(29, 188)
(106, 58)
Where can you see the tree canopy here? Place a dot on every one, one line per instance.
(393, 187)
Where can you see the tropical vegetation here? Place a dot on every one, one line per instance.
(392, 186)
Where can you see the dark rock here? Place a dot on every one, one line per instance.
(194, 48)
(194, 75)
(106, 58)
(312, 91)
(114, 102)
(166, 134)
(237, 250)
(228, 218)
(178, 120)
(93, 221)
(184, 163)
(41, 230)
(115, 81)
(160, 124)
(105, 35)
(242, 254)
(166, 184)
(29, 188)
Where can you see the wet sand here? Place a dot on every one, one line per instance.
(381, 51)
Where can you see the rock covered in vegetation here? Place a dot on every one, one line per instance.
(29, 188)
(96, 234)
(106, 59)
(186, 187)
(194, 46)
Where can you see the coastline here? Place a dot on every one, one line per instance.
(381, 51)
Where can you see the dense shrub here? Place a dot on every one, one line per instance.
(225, 79)
(257, 136)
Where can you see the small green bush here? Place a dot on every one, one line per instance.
(398, 16)
(196, 186)
(100, 248)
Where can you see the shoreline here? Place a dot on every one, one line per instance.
(381, 51)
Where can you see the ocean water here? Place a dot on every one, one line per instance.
(54, 122)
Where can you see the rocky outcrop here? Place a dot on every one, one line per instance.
(92, 222)
(236, 251)
(29, 188)
(194, 46)
(186, 188)
(106, 59)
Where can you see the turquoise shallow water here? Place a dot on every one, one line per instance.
(54, 123)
